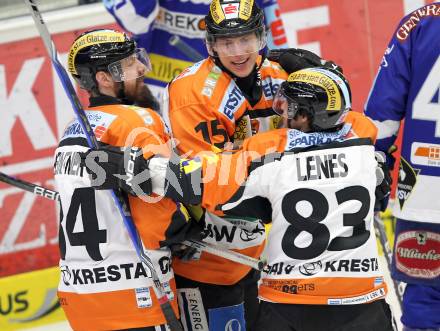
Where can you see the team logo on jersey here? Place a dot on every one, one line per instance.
(66, 275)
(249, 235)
(418, 254)
(406, 181)
(388, 51)
(243, 128)
(425, 154)
(311, 268)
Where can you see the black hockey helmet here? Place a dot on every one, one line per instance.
(324, 95)
(103, 50)
(233, 18)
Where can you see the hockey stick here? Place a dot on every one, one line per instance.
(209, 248)
(186, 49)
(381, 233)
(30, 187)
(227, 254)
(158, 288)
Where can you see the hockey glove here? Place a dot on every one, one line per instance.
(294, 59)
(184, 180)
(383, 182)
(119, 168)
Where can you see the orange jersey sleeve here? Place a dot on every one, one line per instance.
(144, 128)
(362, 126)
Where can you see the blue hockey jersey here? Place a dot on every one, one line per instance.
(407, 87)
(164, 27)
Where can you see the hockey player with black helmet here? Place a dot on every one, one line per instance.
(218, 102)
(104, 286)
(90, 55)
(315, 181)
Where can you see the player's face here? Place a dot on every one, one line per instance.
(238, 54)
(134, 87)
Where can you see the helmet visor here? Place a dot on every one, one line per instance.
(131, 67)
(283, 105)
(236, 45)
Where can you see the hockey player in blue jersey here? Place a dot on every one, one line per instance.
(165, 28)
(407, 87)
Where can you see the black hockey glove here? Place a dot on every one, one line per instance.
(119, 168)
(383, 183)
(184, 180)
(294, 59)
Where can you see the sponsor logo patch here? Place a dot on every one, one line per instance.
(406, 181)
(425, 154)
(182, 24)
(377, 294)
(291, 286)
(232, 101)
(143, 297)
(418, 254)
(404, 31)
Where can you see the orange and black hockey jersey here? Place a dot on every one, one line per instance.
(318, 190)
(206, 109)
(103, 284)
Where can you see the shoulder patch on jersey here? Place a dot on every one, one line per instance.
(414, 19)
(299, 139)
(211, 81)
(232, 100)
(271, 64)
(99, 121)
(189, 71)
(144, 113)
(270, 87)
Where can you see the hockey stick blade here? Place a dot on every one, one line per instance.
(381, 233)
(93, 143)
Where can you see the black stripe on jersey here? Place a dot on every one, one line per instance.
(259, 113)
(77, 141)
(268, 158)
(257, 207)
(335, 144)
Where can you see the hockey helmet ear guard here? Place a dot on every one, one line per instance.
(234, 28)
(105, 50)
(323, 94)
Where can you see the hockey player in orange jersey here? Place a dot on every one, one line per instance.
(103, 284)
(315, 182)
(224, 99)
